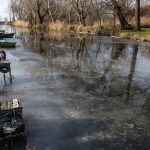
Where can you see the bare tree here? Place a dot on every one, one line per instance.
(122, 19)
(79, 11)
(52, 9)
(99, 7)
(40, 10)
(30, 11)
(82, 7)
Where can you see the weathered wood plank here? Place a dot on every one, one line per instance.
(11, 120)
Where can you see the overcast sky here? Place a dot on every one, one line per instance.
(3, 8)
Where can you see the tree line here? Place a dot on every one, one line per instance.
(83, 12)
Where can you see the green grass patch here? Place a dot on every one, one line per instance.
(143, 35)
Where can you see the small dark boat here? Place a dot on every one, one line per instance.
(8, 35)
(1, 35)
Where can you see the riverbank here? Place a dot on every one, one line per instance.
(143, 35)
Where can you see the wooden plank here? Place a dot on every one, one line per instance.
(11, 110)
(10, 105)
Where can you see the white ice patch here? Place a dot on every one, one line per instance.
(95, 136)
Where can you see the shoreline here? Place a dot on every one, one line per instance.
(143, 35)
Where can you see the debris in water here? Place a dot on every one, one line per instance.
(11, 120)
(131, 126)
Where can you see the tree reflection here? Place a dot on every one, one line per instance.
(117, 50)
(80, 49)
(78, 57)
(132, 70)
(95, 74)
(97, 65)
(103, 82)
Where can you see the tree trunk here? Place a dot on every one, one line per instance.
(137, 15)
(132, 71)
(52, 18)
(41, 19)
(99, 17)
(121, 17)
(13, 18)
(114, 18)
(83, 21)
(80, 19)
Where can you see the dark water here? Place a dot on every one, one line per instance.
(81, 92)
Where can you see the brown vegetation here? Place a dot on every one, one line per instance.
(20, 23)
(84, 16)
(83, 12)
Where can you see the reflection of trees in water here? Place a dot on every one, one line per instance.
(117, 50)
(39, 41)
(35, 41)
(58, 55)
(146, 106)
(54, 55)
(132, 70)
(93, 62)
(146, 51)
(77, 57)
(103, 81)
(83, 64)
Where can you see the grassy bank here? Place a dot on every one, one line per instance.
(143, 35)
(61, 26)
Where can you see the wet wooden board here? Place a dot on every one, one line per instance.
(10, 104)
(11, 120)
(5, 68)
(5, 64)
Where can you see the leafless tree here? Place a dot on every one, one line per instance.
(118, 4)
(100, 9)
(52, 8)
(81, 7)
(79, 11)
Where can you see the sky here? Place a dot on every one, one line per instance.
(3, 8)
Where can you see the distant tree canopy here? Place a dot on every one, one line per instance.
(83, 12)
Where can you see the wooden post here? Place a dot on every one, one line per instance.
(137, 15)
(5, 64)
(4, 78)
(10, 73)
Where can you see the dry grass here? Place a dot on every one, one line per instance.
(58, 26)
(145, 21)
(143, 35)
(61, 26)
(39, 26)
(20, 23)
